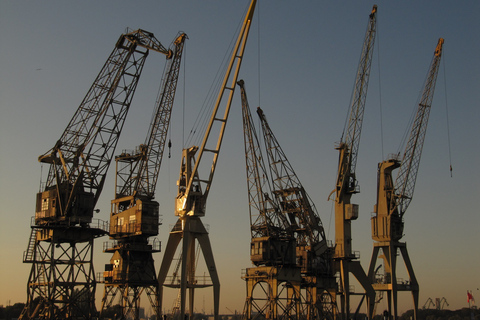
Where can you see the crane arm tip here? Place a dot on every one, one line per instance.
(438, 49)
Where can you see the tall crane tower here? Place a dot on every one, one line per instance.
(273, 285)
(61, 283)
(393, 200)
(190, 203)
(346, 183)
(135, 213)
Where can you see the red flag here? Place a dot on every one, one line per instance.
(470, 297)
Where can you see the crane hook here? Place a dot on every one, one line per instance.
(169, 148)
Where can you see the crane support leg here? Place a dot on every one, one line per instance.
(204, 241)
(357, 270)
(354, 267)
(172, 244)
(189, 229)
(389, 282)
(413, 280)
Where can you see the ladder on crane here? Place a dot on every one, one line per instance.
(29, 255)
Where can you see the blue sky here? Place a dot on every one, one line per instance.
(299, 65)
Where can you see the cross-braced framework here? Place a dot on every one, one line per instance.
(272, 293)
(130, 274)
(62, 279)
(327, 305)
(130, 298)
(317, 302)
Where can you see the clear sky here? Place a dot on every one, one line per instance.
(299, 65)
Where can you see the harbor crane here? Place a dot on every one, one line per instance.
(393, 200)
(291, 250)
(346, 260)
(440, 303)
(273, 284)
(313, 255)
(190, 203)
(428, 304)
(135, 213)
(61, 283)
(271, 233)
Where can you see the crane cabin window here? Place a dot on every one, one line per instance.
(45, 204)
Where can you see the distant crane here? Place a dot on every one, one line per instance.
(428, 304)
(234, 313)
(190, 203)
(61, 283)
(440, 303)
(346, 183)
(393, 200)
(135, 215)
